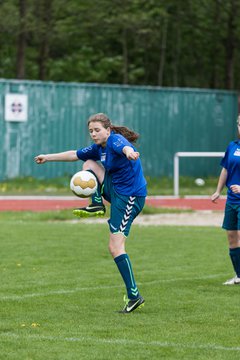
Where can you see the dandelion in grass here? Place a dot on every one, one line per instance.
(34, 325)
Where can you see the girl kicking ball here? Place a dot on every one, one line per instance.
(120, 181)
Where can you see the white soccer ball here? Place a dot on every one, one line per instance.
(199, 182)
(83, 184)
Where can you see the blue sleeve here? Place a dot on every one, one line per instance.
(90, 152)
(224, 161)
(118, 142)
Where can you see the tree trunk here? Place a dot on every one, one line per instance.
(44, 45)
(42, 61)
(125, 56)
(22, 41)
(162, 52)
(214, 76)
(176, 48)
(230, 45)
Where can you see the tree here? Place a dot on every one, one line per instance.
(187, 43)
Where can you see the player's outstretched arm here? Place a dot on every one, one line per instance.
(130, 153)
(63, 156)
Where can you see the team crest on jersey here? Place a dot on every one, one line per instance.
(103, 157)
(237, 152)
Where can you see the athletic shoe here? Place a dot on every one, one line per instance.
(90, 210)
(131, 305)
(233, 281)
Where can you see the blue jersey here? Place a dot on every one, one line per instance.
(231, 162)
(127, 175)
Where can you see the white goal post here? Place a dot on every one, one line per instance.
(188, 154)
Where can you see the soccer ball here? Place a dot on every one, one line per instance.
(83, 184)
(199, 182)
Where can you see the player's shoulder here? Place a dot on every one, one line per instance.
(232, 146)
(114, 136)
(234, 143)
(115, 139)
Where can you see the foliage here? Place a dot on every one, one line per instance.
(188, 43)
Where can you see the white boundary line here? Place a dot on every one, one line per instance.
(94, 288)
(92, 340)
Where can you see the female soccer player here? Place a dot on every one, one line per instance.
(230, 176)
(121, 182)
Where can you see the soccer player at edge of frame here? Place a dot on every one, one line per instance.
(120, 182)
(230, 177)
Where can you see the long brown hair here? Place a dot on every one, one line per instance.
(238, 122)
(129, 134)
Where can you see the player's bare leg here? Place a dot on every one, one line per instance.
(96, 207)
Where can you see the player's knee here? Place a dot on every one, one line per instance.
(233, 239)
(116, 248)
(112, 249)
(89, 164)
(96, 168)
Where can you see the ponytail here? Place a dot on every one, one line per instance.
(129, 134)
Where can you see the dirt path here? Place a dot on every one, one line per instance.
(196, 218)
(204, 212)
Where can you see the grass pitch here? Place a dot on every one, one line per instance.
(60, 186)
(60, 293)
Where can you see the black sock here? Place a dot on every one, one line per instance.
(96, 197)
(235, 257)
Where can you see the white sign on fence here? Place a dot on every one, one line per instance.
(16, 107)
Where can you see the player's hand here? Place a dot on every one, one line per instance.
(134, 155)
(40, 159)
(235, 189)
(215, 196)
(130, 153)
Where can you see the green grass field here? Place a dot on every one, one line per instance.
(60, 186)
(60, 293)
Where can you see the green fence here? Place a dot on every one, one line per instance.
(168, 119)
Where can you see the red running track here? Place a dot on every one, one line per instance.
(21, 203)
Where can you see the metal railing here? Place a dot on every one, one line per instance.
(188, 154)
